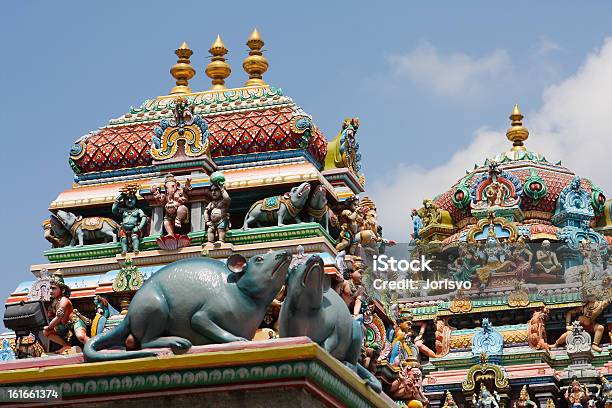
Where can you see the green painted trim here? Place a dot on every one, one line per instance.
(236, 237)
(131, 383)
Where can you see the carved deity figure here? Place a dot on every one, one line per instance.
(520, 259)
(485, 399)
(605, 393)
(576, 395)
(216, 214)
(589, 313)
(494, 194)
(352, 289)
(430, 213)
(401, 349)
(449, 401)
(349, 220)
(463, 268)
(524, 401)
(443, 335)
(536, 329)
(174, 200)
(417, 224)
(408, 385)
(494, 255)
(65, 320)
(546, 259)
(133, 219)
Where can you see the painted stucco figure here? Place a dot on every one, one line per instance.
(196, 301)
(546, 259)
(576, 395)
(216, 213)
(174, 199)
(524, 401)
(313, 309)
(133, 219)
(485, 399)
(536, 328)
(278, 210)
(317, 209)
(66, 321)
(88, 230)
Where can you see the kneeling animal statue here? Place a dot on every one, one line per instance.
(196, 301)
(313, 309)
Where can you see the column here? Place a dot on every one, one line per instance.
(157, 221)
(196, 216)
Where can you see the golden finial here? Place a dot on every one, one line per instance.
(255, 64)
(517, 134)
(182, 71)
(218, 69)
(550, 403)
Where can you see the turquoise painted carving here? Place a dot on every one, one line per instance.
(488, 341)
(6, 352)
(313, 309)
(196, 301)
(573, 206)
(185, 126)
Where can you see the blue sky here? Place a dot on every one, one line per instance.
(433, 85)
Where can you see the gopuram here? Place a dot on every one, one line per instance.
(527, 243)
(216, 249)
(195, 256)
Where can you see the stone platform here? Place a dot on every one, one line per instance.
(291, 372)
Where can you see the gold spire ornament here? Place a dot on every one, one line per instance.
(218, 69)
(182, 71)
(517, 134)
(255, 64)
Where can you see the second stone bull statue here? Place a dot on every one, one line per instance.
(194, 302)
(278, 210)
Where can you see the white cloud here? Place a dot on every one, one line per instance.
(574, 124)
(452, 74)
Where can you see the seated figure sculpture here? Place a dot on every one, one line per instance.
(546, 260)
(174, 200)
(65, 319)
(494, 256)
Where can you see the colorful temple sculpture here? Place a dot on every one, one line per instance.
(216, 249)
(524, 316)
(200, 234)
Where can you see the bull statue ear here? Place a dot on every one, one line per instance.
(236, 263)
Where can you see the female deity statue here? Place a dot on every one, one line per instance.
(174, 200)
(485, 398)
(524, 401)
(576, 394)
